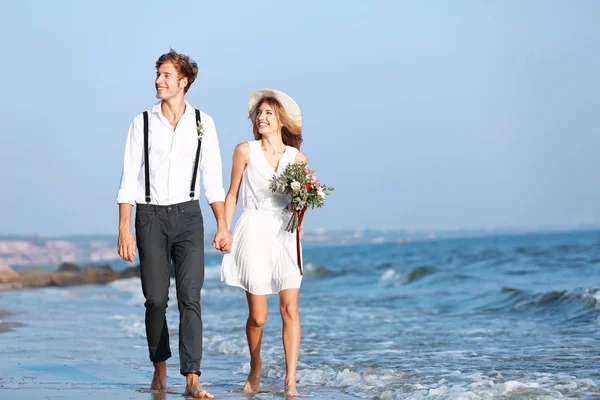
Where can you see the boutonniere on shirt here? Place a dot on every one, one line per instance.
(200, 129)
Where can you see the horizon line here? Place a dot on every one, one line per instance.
(500, 230)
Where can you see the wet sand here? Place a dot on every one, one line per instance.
(39, 377)
(47, 380)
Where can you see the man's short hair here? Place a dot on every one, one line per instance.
(185, 66)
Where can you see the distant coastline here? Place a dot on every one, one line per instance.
(39, 250)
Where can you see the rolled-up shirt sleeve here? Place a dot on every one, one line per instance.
(132, 164)
(210, 164)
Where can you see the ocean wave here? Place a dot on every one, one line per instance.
(321, 271)
(574, 303)
(393, 277)
(132, 325)
(488, 389)
(227, 345)
(396, 384)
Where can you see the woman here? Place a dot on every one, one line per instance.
(263, 255)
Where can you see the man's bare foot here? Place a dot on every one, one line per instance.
(156, 395)
(193, 388)
(253, 383)
(159, 381)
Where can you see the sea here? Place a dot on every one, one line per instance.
(499, 317)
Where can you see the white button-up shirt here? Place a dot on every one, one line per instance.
(172, 154)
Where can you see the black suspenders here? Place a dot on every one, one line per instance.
(195, 173)
(147, 164)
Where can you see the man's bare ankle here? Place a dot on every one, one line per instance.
(159, 381)
(191, 379)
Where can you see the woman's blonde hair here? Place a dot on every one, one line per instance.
(291, 132)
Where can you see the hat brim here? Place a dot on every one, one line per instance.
(290, 106)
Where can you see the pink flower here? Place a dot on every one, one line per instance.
(306, 170)
(313, 179)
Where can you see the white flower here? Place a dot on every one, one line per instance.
(295, 186)
(320, 192)
(200, 129)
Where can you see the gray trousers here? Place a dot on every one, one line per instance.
(165, 235)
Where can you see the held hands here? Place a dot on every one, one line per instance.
(223, 241)
(126, 245)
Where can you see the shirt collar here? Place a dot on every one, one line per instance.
(188, 108)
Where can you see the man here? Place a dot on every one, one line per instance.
(164, 150)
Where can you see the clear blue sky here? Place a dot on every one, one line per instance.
(437, 115)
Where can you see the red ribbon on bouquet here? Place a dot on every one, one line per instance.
(300, 217)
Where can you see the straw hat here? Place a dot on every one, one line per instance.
(290, 106)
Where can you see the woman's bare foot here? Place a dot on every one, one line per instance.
(290, 391)
(290, 388)
(193, 388)
(159, 381)
(253, 383)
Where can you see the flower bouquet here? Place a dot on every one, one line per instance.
(300, 184)
(303, 188)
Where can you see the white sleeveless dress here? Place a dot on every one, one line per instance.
(263, 256)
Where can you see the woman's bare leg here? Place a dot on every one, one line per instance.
(257, 315)
(288, 305)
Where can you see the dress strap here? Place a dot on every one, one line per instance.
(291, 154)
(252, 145)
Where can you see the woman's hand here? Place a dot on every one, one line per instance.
(293, 210)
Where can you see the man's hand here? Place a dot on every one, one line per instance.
(223, 241)
(126, 242)
(126, 245)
